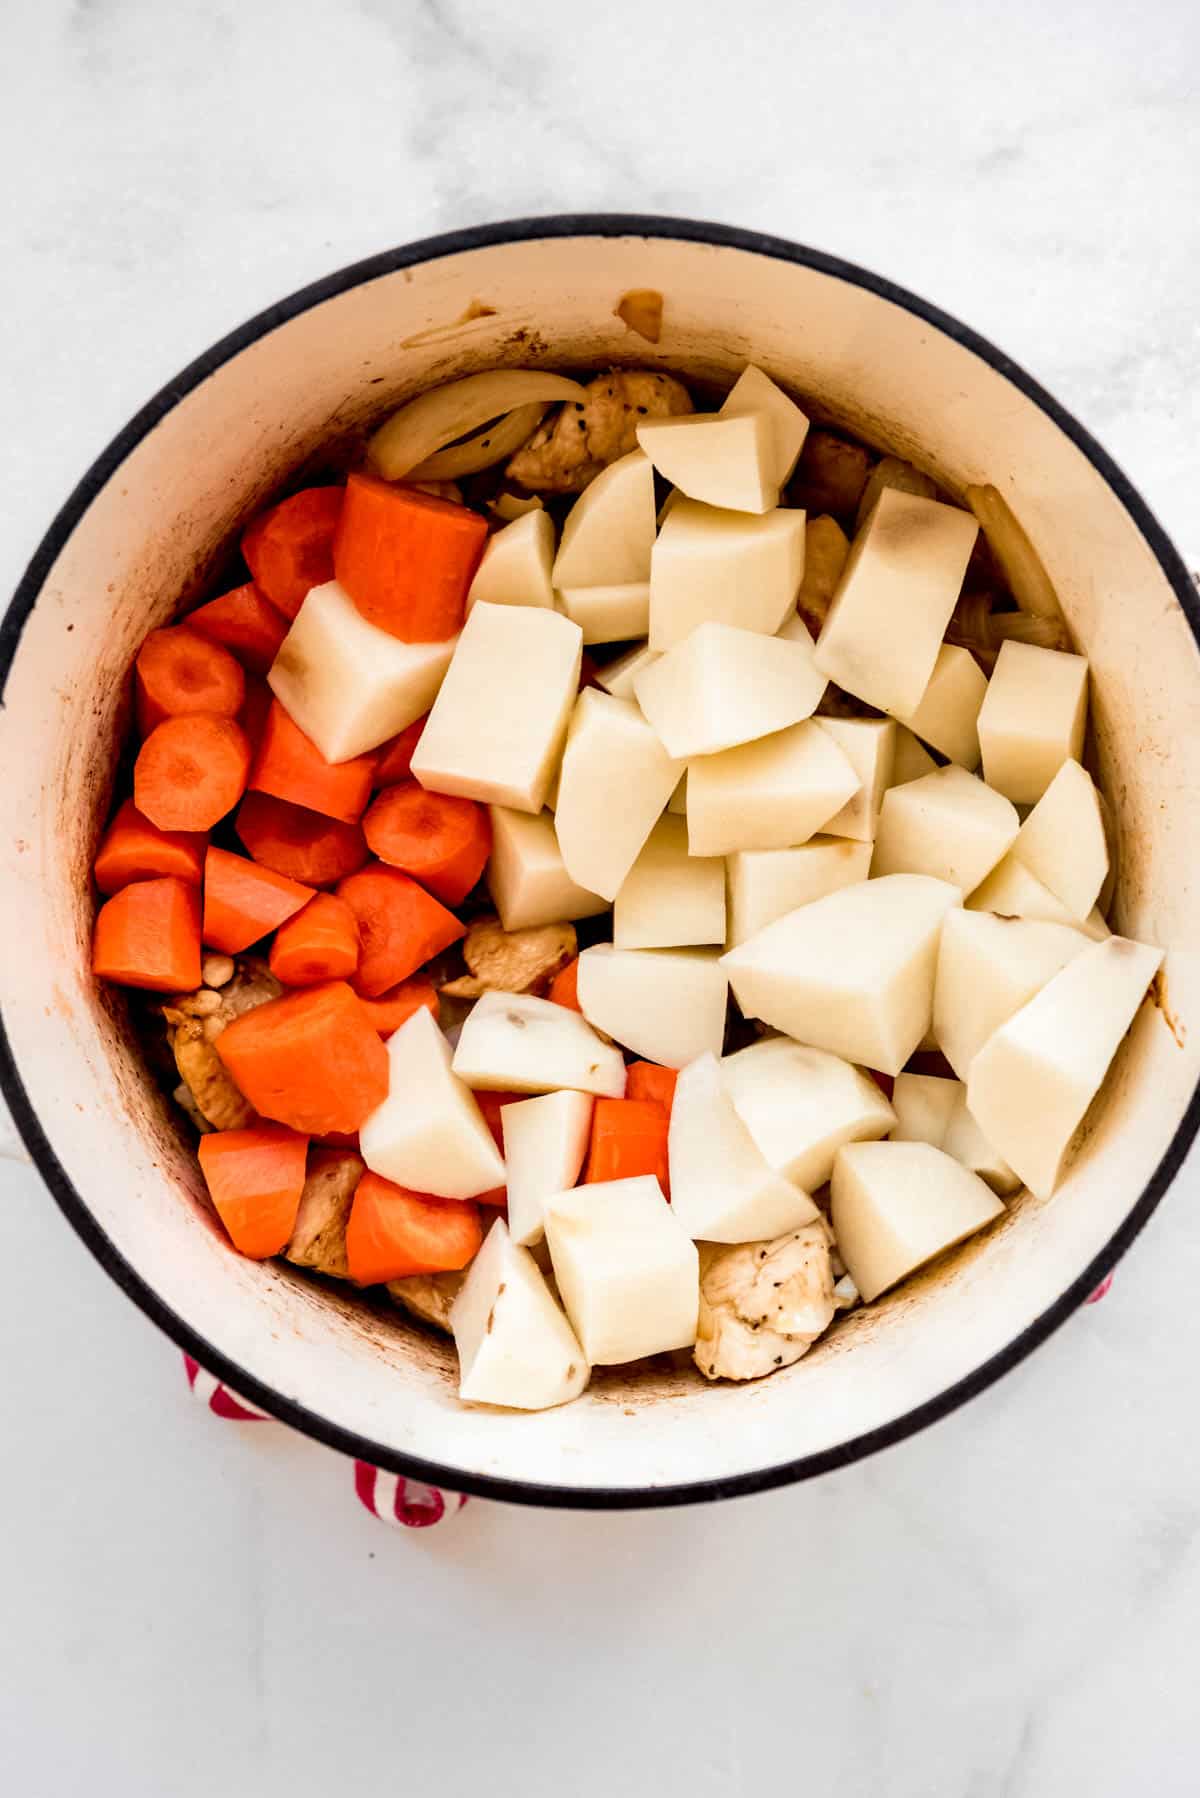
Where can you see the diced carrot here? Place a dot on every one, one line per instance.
(255, 1178)
(395, 758)
(306, 845)
(400, 924)
(407, 558)
(178, 671)
(148, 935)
(310, 1060)
(393, 1232)
(190, 771)
(489, 1104)
(289, 548)
(134, 849)
(629, 1137)
(290, 766)
(243, 902)
(564, 988)
(246, 622)
(441, 840)
(255, 709)
(394, 1008)
(646, 1080)
(319, 943)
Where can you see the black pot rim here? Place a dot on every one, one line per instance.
(71, 1202)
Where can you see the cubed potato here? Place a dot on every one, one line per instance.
(763, 884)
(826, 549)
(722, 1187)
(515, 1347)
(609, 531)
(616, 779)
(965, 1141)
(901, 476)
(723, 686)
(617, 676)
(1063, 843)
(773, 794)
(988, 967)
(526, 875)
(515, 1043)
(723, 461)
(852, 972)
(515, 570)
(948, 825)
(670, 899)
(429, 1134)
(870, 747)
(911, 759)
(545, 1141)
(1033, 719)
(881, 637)
(898, 1204)
(609, 614)
(1013, 892)
(347, 684)
(666, 1005)
(497, 727)
(924, 1105)
(948, 715)
(628, 1272)
(714, 566)
(754, 391)
(1034, 1078)
(801, 1104)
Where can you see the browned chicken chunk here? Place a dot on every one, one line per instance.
(511, 961)
(569, 449)
(428, 1296)
(195, 1021)
(319, 1238)
(763, 1304)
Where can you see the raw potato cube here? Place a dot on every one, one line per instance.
(670, 899)
(870, 746)
(616, 779)
(898, 1204)
(924, 1105)
(988, 967)
(801, 1105)
(884, 629)
(429, 1134)
(526, 875)
(826, 549)
(545, 1141)
(515, 570)
(617, 676)
(765, 883)
(514, 1345)
(514, 1043)
(948, 825)
(1033, 719)
(1032, 1081)
(722, 1188)
(753, 391)
(911, 759)
(1012, 891)
(609, 531)
(609, 614)
(497, 726)
(714, 566)
(628, 1272)
(725, 686)
(666, 1005)
(722, 460)
(772, 794)
(1062, 842)
(965, 1141)
(347, 684)
(851, 973)
(948, 715)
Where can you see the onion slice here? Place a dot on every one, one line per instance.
(1020, 563)
(412, 435)
(484, 448)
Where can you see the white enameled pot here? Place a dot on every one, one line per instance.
(150, 520)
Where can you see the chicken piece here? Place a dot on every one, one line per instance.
(511, 961)
(194, 1023)
(319, 1238)
(763, 1304)
(826, 549)
(830, 476)
(568, 450)
(428, 1296)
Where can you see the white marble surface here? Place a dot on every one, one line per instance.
(1007, 1605)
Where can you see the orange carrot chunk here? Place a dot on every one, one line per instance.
(243, 902)
(255, 1178)
(290, 766)
(148, 935)
(178, 672)
(393, 1232)
(246, 622)
(190, 771)
(310, 1060)
(401, 926)
(255, 708)
(646, 1080)
(395, 758)
(319, 943)
(305, 845)
(629, 1137)
(564, 988)
(407, 558)
(394, 1008)
(134, 849)
(289, 548)
(441, 840)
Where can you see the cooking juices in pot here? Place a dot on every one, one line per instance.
(624, 878)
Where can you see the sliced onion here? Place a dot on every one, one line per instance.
(412, 435)
(1028, 627)
(483, 448)
(1020, 563)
